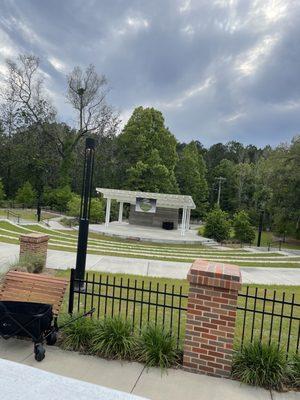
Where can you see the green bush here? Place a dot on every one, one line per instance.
(294, 372)
(58, 198)
(113, 338)
(26, 195)
(33, 263)
(77, 335)
(260, 364)
(96, 212)
(217, 225)
(243, 231)
(157, 347)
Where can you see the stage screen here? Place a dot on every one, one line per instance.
(145, 205)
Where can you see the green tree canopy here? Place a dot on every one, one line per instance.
(243, 229)
(190, 173)
(147, 152)
(26, 195)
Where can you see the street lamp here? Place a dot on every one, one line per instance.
(85, 209)
(260, 226)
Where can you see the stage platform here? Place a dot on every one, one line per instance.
(125, 230)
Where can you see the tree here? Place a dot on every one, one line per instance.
(217, 225)
(147, 151)
(26, 195)
(87, 92)
(2, 192)
(190, 173)
(243, 229)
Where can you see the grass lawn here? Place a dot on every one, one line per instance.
(110, 304)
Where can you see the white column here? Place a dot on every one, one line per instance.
(188, 220)
(107, 215)
(120, 211)
(183, 221)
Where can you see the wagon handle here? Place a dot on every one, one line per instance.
(90, 312)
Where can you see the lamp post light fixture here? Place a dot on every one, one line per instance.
(85, 209)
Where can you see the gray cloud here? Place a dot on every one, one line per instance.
(218, 70)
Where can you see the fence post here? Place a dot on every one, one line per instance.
(71, 292)
(34, 244)
(211, 315)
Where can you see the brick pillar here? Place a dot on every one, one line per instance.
(211, 315)
(34, 243)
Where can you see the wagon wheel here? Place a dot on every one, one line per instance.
(51, 338)
(39, 352)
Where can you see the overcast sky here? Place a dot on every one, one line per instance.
(219, 70)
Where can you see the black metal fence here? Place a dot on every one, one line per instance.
(262, 314)
(270, 317)
(140, 302)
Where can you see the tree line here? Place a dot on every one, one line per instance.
(39, 150)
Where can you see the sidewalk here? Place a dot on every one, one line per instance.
(132, 377)
(138, 266)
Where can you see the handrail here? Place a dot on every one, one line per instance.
(280, 241)
(14, 215)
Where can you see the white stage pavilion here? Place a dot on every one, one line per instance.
(165, 208)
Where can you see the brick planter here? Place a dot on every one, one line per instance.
(211, 315)
(34, 243)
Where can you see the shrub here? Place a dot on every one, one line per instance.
(34, 263)
(217, 225)
(26, 195)
(260, 364)
(77, 335)
(243, 230)
(113, 338)
(157, 347)
(58, 198)
(294, 372)
(96, 212)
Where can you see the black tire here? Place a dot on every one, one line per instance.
(39, 352)
(51, 339)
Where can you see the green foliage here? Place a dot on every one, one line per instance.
(217, 225)
(113, 338)
(77, 335)
(243, 230)
(190, 173)
(30, 262)
(157, 348)
(26, 195)
(146, 152)
(2, 192)
(261, 365)
(96, 212)
(294, 372)
(58, 198)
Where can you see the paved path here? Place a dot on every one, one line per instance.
(132, 377)
(177, 270)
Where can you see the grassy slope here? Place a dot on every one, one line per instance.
(98, 244)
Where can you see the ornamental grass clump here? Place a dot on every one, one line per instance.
(294, 372)
(113, 338)
(77, 335)
(157, 348)
(261, 365)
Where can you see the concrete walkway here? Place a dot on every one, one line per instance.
(9, 253)
(132, 377)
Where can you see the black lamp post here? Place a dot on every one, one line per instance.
(260, 227)
(85, 208)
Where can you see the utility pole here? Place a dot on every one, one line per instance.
(220, 180)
